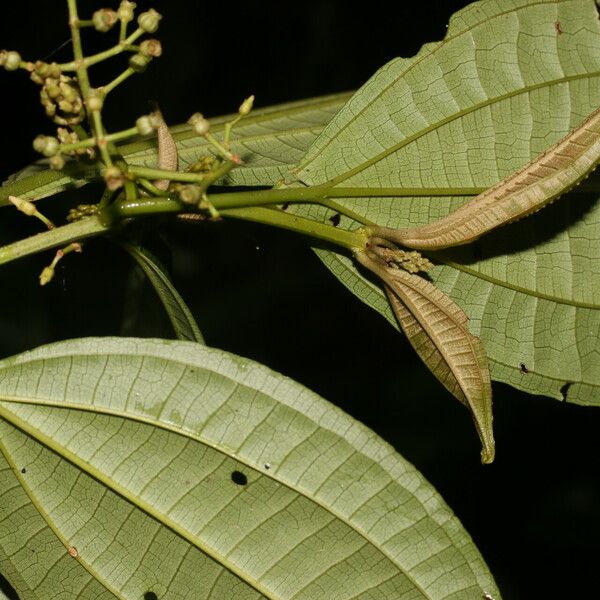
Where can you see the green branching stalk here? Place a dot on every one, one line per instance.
(109, 87)
(60, 236)
(123, 46)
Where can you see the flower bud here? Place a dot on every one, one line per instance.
(199, 123)
(144, 125)
(114, 178)
(246, 106)
(69, 93)
(39, 143)
(10, 60)
(46, 145)
(51, 147)
(190, 194)
(95, 101)
(47, 275)
(65, 106)
(52, 89)
(151, 48)
(139, 62)
(104, 19)
(148, 21)
(57, 162)
(25, 206)
(126, 10)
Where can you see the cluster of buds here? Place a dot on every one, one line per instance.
(70, 137)
(204, 164)
(82, 211)
(10, 60)
(408, 260)
(50, 147)
(60, 94)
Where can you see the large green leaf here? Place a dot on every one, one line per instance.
(510, 79)
(270, 141)
(131, 465)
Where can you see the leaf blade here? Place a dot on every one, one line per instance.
(141, 431)
(430, 110)
(437, 329)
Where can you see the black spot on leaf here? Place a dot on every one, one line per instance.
(335, 219)
(239, 478)
(150, 596)
(523, 368)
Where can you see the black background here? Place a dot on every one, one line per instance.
(534, 513)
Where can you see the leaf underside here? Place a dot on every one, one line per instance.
(438, 331)
(270, 141)
(129, 466)
(505, 84)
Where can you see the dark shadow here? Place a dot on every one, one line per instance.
(7, 589)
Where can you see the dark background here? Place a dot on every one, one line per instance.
(534, 513)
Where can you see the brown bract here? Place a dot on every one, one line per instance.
(532, 187)
(437, 328)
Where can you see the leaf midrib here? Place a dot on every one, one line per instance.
(516, 288)
(408, 140)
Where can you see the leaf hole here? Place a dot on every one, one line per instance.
(23, 470)
(150, 596)
(335, 219)
(564, 390)
(267, 466)
(239, 478)
(285, 206)
(523, 368)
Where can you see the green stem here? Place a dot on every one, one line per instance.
(100, 136)
(89, 142)
(109, 87)
(352, 240)
(277, 218)
(143, 207)
(318, 194)
(149, 173)
(96, 58)
(78, 65)
(123, 31)
(59, 236)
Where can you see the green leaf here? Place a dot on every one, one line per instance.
(502, 87)
(171, 467)
(181, 318)
(270, 141)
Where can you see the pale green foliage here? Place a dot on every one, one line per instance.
(124, 449)
(269, 141)
(504, 85)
